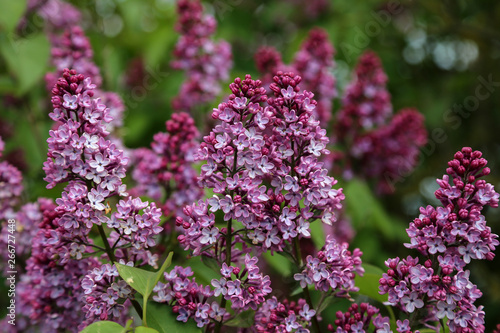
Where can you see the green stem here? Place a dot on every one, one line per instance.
(110, 253)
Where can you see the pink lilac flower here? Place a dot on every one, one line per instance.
(314, 62)
(206, 62)
(72, 49)
(11, 185)
(49, 293)
(358, 318)
(333, 269)
(189, 299)
(376, 145)
(297, 189)
(287, 316)
(93, 168)
(448, 238)
(165, 172)
(56, 13)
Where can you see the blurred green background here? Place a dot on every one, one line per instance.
(439, 57)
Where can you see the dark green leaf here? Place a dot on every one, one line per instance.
(104, 327)
(243, 319)
(211, 263)
(161, 318)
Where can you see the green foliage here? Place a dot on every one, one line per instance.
(26, 59)
(368, 283)
(143, 281)
(162, 319)
(10, 13)
(243, 319)
(104, 327)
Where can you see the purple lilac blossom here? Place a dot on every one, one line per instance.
(375, 144)
(93, 168)
(72, 49)
(448, 238)
(165, 172)
(287, 316)
(189, 299)
(262, 162)
(11, 186)
(49, 292)
(314, 62)
(206, 62)
(358, 318)
(333, 269)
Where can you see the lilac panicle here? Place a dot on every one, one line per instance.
(314, 62)
(11, 186)
(262, 162)
(206, 62)
(448, 238)
(187, 298)
(334, 267)
(93, 168)
(358, 318)
(72, 49)
(49, 292)
(57, 14)
(165, 172)
(377, 145)
(366, 102)
(287, 316)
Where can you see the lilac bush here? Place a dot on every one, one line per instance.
(252, 209)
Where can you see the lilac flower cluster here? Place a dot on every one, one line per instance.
(56, 13)
(334, 267)
(49, 292)
(390, 152)
(375, 145)
(448, 237)
(262, 164)
(11, 185)
(72, 49)
(105, 296)
(357, 319)
(245, 288)
(366, 103)
(165, 172)
(274, 316)
(80, 154)
(28, 217)
(206, 62)
(188, 299)
(314, 62)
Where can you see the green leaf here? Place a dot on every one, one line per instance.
(279, 263)
(318, 234)
(142, 329)
(26, 58)
(369, 282)
(10, 13)
(143, 281)
(243, 319)
(211, 263)
(365, 210)
(104, 327)
(163, 320)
